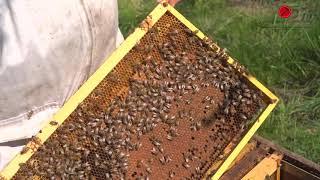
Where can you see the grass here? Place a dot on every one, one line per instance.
(283, 53)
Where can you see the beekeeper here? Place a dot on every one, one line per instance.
(47, 50)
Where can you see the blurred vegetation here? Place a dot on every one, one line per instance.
(284, 54)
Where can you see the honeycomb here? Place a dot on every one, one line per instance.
(167, 110)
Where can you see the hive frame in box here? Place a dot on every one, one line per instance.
(10, 170)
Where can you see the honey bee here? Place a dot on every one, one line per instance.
(169, 137)
(29, 114)
(147, 23)
(174, 32)
(242, 116)
(162, 160)
(185, 165)
(171, 174)
(148, 169)
(53, 123)
(154, 151)
(196, 32)
(24, 150)
(36, 140)
(164, 3)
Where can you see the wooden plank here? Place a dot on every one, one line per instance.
(266, 168)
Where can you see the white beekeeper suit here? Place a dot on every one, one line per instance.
(47, 50)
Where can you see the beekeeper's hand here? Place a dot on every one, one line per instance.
(171, 2)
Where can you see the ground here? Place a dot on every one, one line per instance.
(284, 54)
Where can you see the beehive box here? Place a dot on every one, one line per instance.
(167, 104)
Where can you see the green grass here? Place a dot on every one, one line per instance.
(286, 58)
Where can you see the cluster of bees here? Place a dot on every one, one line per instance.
(161, 94)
